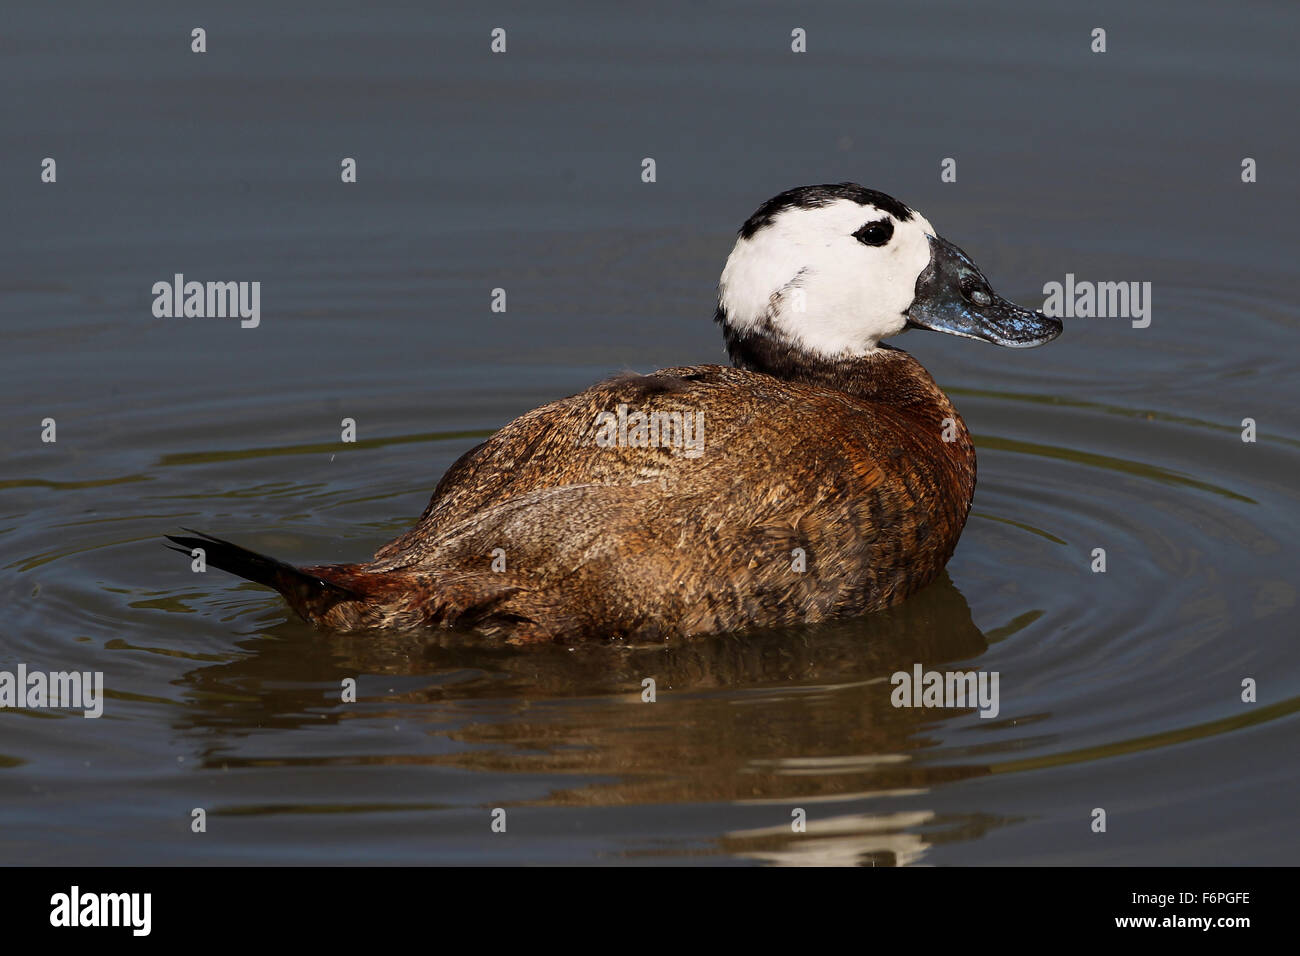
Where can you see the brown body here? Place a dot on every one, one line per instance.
(847, 462)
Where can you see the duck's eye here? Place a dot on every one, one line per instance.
(973, 288)
(875, 233)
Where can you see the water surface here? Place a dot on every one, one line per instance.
(1118, 690)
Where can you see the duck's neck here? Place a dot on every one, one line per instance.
(886, 375)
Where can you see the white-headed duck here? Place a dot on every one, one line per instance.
(824, 474)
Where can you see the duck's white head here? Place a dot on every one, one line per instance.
(829, 271)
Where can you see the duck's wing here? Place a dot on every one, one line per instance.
(770, 447)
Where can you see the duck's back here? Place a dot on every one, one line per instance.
(693, 500)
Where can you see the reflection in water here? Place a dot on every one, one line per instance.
(849, 840)
(782, 715)
(860, 839)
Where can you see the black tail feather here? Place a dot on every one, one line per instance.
(309, 594)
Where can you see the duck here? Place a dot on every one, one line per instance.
(821, 475)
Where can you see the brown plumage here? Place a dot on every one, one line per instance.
(823, 487)
(620, 542)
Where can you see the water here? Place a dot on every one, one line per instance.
(1119, 690)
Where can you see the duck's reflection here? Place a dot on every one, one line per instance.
(781, 716)
(883, 839)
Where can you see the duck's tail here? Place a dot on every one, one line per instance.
(308, 593)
